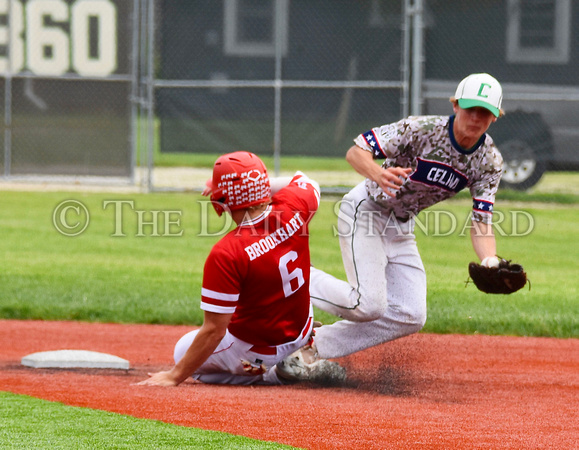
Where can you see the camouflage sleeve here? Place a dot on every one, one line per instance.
(483, 190)
(383, 142)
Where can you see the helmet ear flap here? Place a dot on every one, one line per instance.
(218, 200)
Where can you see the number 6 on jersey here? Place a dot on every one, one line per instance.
(287, 276)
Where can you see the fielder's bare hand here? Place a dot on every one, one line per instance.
(392, 178)
(389, 179)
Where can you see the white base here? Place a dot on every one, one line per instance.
(74, 359)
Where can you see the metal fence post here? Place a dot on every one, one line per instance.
(150, 104)
(8, 100)
(405, 57)
(278, 91)
(417, 57)
(134, 90)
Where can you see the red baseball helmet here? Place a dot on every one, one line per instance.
(239, 181)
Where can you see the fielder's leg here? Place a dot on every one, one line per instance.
(363, 296)
(405, 314)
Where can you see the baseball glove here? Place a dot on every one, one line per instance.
(505, 279)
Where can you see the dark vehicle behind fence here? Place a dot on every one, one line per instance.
(532, 48)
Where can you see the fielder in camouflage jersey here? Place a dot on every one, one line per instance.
(427, 159)
(441, 168)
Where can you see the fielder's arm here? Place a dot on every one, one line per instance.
(278, 183)
(206, 341)
(483, 240)
(362, 162)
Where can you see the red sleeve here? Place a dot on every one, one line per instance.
(222, 277)
(302, 193)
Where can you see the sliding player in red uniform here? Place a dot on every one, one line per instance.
(255, 293)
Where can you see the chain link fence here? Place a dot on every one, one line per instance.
(532, 48)
(281, 78)
(66, 88)
(304, 78)
(111, 87)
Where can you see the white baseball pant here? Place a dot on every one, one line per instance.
(225, 366)
(385, 295)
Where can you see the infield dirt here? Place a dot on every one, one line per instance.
(423, 391)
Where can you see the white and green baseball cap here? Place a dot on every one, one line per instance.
(480, 89)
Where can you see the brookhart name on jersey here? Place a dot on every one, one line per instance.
(272, 240)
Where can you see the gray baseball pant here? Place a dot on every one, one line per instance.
(385, 295)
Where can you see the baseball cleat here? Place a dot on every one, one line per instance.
(304, 365)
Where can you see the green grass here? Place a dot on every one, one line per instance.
(27, 422)
(567, 198)
(120, 271)
(288, 163)
(548, 253)
(95, 276)
(156, 278)
(554, 187)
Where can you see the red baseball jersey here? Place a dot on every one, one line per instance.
(260, 271)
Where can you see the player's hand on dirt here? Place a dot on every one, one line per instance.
(392, 178)
(159, 379)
